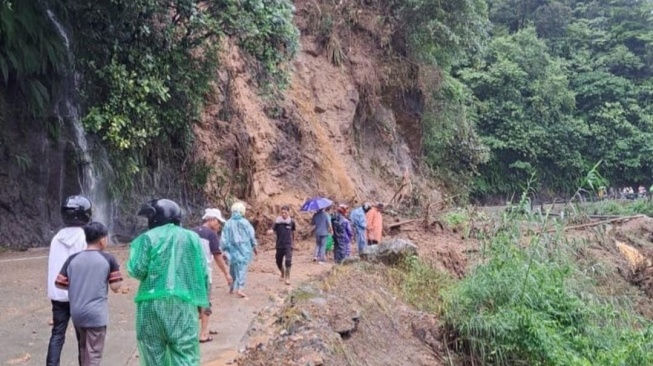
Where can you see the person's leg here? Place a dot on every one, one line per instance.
(238, 275)
(322, 248)
(182, 328)
(233, 274)
(278, 257)
(316, 256)
(94, 345)
(60, 318)
(81, 345)
(288, 255)
(150, 332)
(205, 313)
(361, 240)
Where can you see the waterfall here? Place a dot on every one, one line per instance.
(67, 110)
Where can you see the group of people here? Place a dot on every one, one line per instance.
(173, 266)
(624, 193)
(364, 225)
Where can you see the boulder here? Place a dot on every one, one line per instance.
(390, 252)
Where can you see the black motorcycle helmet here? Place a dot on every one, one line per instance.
(161, 212)
(76, 211)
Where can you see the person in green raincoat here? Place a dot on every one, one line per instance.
(170, 265)
(239, 241)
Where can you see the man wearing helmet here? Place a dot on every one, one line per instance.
(75, 213)
(239, 241)
(170, 265)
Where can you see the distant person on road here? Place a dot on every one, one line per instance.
(87, 276)
(284, 227)
(322, 222)
(239, 241)
(359, 223)
(169, 263)
(208, 232)
(374, 224)
(75, 212)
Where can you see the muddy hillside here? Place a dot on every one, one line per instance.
(338, 131)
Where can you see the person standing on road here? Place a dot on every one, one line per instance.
(239, 241)
(75, 212)
(374, 224)
(341, 234)
(359, 222)
(284, 227)
(87, 276)
(208, 233)
(322, 222)
(169, 263)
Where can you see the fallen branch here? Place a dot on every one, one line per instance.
(576, 227)
(398, 224)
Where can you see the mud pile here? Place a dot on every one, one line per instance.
(635, 240)
(348, 317)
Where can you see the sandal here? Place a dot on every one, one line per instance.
(209, 339)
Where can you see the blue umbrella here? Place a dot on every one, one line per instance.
(316, 203)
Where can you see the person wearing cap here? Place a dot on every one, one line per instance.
(359, 222)
(284, 226)
(239, 241)
(208, 232)
(374, 224)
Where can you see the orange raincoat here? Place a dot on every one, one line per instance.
(374, 224)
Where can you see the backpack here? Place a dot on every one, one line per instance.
(338, 228)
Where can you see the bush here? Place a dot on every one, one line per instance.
(420, 284)
(531, 305)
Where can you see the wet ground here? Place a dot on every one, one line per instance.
(26, 310)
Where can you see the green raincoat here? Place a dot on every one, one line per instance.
(170, 265)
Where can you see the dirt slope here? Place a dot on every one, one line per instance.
(345, 318)
(331, 134)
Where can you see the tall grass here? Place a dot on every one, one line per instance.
(611, 207)
(529, 304)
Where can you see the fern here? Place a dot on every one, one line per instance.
(30, 52)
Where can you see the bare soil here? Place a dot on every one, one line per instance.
(348, 317)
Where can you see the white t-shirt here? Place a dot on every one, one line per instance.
(68, 241)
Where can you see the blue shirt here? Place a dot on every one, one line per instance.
(322, 222)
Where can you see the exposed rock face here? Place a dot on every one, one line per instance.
(36, 171)
(390, 252)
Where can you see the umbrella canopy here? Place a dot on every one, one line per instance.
(316, 203)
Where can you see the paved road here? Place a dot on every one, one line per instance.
(25, 310)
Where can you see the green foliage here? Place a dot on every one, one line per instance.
(148, 66)
(612, 207)
(442, 32)
(30, 53)
(524, 106)
(265, 29)
(452, 146)
(420, 284)
(457, 220)
(564, 84)
(531, 305)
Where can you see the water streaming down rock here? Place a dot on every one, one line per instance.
(67, 110)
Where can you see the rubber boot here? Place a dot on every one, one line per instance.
(287, 276)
